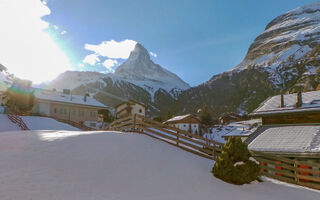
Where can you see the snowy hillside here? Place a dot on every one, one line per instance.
(95, 165)
(73, 79)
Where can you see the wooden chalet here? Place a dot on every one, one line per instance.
(128, 108)
(291, 118)
(229, 117)
(287, 145)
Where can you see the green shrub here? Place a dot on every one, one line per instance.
(234, 164)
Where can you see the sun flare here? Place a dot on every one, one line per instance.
(26, 48)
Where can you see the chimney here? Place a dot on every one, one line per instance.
(70, 96)
(299, 99)
(85, 97)
(281, 99)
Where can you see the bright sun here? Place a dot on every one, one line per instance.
(25, 49)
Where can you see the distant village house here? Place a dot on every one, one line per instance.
(230, 117)
(189, 122)
(65, 106)
(129, 108)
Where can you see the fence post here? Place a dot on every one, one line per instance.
(295, 172)
(214, 151)
(134, 117)
(177, 138)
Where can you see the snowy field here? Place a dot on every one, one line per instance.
(34, 123)
(45, 123)
(73, 165)
(7, 125)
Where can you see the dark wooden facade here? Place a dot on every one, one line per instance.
(292, 118)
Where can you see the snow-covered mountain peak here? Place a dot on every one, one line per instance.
(139, 53)
(139, 69)
(286, 39)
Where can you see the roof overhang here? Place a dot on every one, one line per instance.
(74, 104)
(289, 154)
(285, 112)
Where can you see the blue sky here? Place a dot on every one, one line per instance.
(194, 39)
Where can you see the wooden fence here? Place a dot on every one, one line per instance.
(75, 124)
(183, 139)
(17, 120)
(305, 173)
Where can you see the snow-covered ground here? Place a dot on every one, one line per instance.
(6, 124)
(34, 123)
(45, 123)
(109, 165)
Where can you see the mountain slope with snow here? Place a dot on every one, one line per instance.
(140, 70)
(286, 39)
(286, 56)
(138, 78)
(77, 165)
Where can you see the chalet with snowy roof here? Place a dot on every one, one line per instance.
(66, 106)
(290, 109)
(128, 108)
(291, 126)
(229, 117)
(189, 122)
(242, 129)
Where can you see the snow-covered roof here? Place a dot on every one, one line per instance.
(131, 102)
(181, 117)
(286, 139)
(311, 102)
(243, 128)
(67, 98)
(240, 128)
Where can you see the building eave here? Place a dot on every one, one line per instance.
(68, 103)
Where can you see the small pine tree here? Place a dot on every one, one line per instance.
(234, 164)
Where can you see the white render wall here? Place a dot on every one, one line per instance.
(136, 108)
(44, 108)
(185, 126)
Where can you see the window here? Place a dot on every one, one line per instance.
(140, 110)
(55, 110)
(65, 111)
